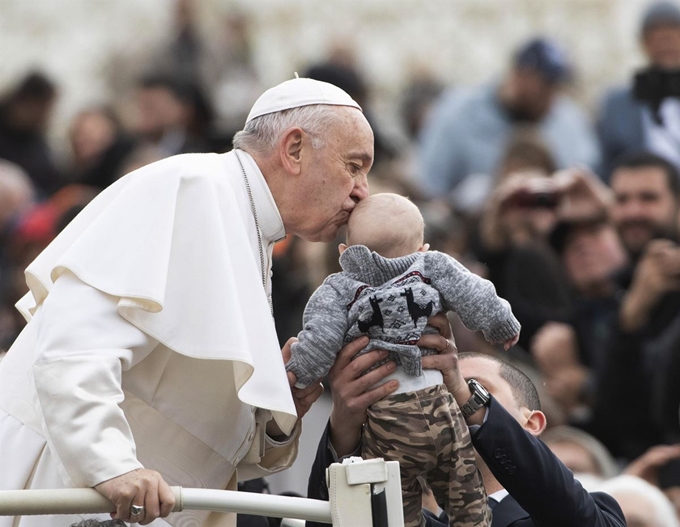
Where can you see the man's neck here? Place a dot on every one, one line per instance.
(491, 484)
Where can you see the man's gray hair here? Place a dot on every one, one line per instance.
(263, 133)
(658, 509)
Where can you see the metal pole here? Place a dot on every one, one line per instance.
(89, 501)
(259, 504)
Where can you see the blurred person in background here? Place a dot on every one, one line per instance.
(644, 349)
(643, 504)
(469, 128)
(417, 101)
(650, 119)
(237, 83)
(580, 452)
(571, 355)
(25, 114)
(513, 242)
(504, 231)
(525, 151)
(340, 70)
(17, 195)
(291, 286)
(220, 63)
(660, 466)
(99, 147)
(26, 236)
(183, 56)
(647, 192)
(173, 115)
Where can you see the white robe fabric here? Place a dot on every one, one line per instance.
(150, 341)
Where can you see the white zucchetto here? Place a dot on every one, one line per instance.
(299, 92)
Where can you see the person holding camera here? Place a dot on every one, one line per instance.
(519, 215)
(646, 114)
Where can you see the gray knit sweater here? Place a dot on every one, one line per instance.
(390, 300)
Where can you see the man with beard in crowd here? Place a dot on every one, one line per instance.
(470, 128)
(645, 349)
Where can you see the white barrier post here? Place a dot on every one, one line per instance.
(353, 487)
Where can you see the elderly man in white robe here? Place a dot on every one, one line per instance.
(150, 358)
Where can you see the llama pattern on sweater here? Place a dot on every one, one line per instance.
(394, 314)
(390, 301)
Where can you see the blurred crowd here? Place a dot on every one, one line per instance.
(574, 217)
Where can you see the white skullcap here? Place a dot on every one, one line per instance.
(299, 92)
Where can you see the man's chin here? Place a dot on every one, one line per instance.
(329, 236)
(635, 244)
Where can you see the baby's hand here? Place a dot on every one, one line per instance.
(507, 344)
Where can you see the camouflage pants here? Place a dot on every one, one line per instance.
(426, 432)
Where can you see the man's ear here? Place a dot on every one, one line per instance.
(535, 421)
(291, 150)
(424, 248)
(342, 248)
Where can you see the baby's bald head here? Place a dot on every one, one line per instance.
(388, 224)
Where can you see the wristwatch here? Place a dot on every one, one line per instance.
(480, 397)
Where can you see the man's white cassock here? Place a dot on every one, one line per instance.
(150, 341)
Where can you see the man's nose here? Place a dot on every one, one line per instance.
(634, 209)
(360, 190)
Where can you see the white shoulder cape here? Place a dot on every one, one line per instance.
(171, 241)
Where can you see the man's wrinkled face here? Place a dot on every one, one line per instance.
(336, 176)
(645, 207)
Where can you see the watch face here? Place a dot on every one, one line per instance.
(479, 392)
(480, 397)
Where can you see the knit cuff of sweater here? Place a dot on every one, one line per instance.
(503, 331)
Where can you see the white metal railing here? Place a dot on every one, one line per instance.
(352, 485)
(89, 501)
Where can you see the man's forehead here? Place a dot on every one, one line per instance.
(479, 367)
(359, 128)
(639, 179)
(578, 232)
(358, 136)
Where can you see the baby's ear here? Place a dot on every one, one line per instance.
(342, 248)
(423, 249)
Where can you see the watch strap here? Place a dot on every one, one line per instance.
(480, 397)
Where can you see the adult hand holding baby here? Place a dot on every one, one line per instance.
(352, 392)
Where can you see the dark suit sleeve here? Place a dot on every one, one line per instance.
(539, 481)
(316, 487)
